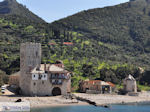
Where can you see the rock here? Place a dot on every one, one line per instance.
(19, 100)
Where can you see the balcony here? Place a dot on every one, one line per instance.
(58, 76)
(56, 82)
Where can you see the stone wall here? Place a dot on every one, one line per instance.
(45, 87)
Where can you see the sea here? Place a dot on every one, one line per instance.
(134, 107)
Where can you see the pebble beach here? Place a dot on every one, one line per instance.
(100, 99)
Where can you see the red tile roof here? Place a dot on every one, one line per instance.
(67, 43)
(52, 43)
(111, 84)
(93, 81)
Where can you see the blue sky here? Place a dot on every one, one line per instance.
(51, 10)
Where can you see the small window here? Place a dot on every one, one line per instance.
(44, 76)
(63, 75)
(42, 82)
(53, 81)
(34, 83)
(40, 76)
(36, 54)
(59, 81)
(55, 75)
(35, 76)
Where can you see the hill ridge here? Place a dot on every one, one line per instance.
(12, 7)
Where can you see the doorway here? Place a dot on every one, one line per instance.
(56, 91)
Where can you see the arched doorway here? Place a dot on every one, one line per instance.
(56, 91)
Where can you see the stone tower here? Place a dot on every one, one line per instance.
(130, 84)
(30, 57)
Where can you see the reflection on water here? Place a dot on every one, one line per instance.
(144, 107)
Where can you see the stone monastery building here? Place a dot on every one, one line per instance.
(38, 79)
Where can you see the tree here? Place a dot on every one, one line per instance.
(108, 75)
(1, 78)
(88, 71)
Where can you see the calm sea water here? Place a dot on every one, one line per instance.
(144, 107)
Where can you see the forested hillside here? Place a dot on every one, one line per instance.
(104, 43)
(123, 29)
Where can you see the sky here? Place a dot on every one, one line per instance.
(51, 10)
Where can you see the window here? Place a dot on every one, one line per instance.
(35, 76)
(40, 76)
(53, 81)
(63, 75)
(42, 82)
(56, 75)
(36, 54)
(52, 75)
(60, 76)
(59, 81)
(44, 76)
(34, 83)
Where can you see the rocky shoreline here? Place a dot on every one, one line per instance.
(106, 99)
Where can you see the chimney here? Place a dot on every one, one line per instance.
(49, 68)
(45, 67)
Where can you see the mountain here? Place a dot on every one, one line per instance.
(103, 43)
(12, 7)
(124, 30)
(17, 25)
